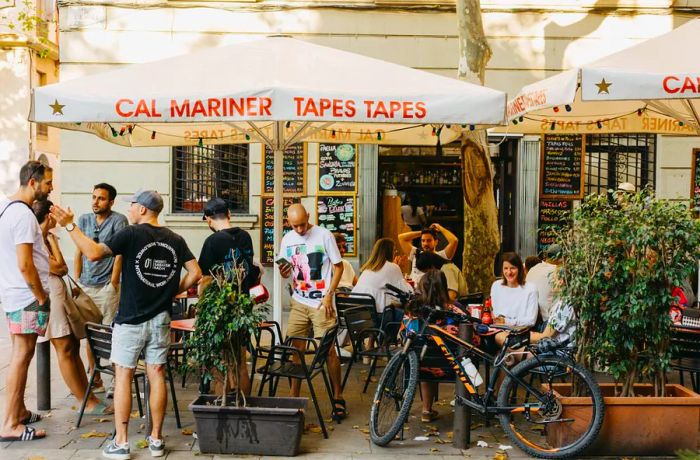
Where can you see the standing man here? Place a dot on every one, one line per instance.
(153, 257)
(100, 279)
(229, 247)
(24, 291)
(428, 243)
(312, 255)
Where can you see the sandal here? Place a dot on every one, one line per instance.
(33, 417)
(100, 409)
(28, 434)
(429, 416)
(339, 410)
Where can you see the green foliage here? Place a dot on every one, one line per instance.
(620, 262)
(226, 318)
(26, 20)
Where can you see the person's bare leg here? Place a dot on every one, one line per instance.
(23, 346)
(244, 385)
(295, 387)
(334, 373)
(158, 399)
(24, 412)
(428, 391)
(97, 382)
(122, 402)
(71, 367)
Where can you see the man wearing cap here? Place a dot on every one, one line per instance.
(100, 279)
(227, 249)
(624, 190)
(153, 257)
(543, 276)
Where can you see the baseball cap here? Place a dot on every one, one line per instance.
(627, 187)
(215, 206)
(149, 199)
(553, 251)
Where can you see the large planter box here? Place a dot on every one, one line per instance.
(267, 426)
(641, 425)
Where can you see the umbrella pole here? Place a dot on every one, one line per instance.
(278, 218)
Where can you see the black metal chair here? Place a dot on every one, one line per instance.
(345, 300)
(475, 297)
(686, 355)
(279, 364)
(361, 323)
(256, 348)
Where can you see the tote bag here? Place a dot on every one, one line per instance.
(80, 308)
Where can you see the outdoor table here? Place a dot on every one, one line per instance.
(185, 325)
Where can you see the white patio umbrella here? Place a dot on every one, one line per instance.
(275, 90)
(650, 87)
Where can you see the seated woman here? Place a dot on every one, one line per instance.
(378, 271)
(432, 292)
(514, 301)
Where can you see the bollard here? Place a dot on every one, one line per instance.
(43, 375)
(461, 425)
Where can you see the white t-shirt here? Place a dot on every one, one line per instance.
(312, 256)
(518, 305)
(348, 275)
(541, 275)
(19, 226)
(373, 283)
(408, 217)
(415, 273)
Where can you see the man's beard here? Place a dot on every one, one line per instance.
(100, 211)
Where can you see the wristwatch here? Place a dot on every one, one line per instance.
(70, 227)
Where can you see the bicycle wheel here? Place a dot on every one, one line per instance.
(540, 424)
(393, 398)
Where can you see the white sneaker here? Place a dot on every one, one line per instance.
(156, 446)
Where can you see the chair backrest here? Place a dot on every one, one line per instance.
(685, 344)
(324, 347)
(358, 319)
(99, 339)
(475, 297)
(345, 300)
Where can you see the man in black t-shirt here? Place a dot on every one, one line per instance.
(228, 248)
(153, 257)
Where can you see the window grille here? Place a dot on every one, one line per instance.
(202, 173)
(612, 159)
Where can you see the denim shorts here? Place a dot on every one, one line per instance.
(151, 337)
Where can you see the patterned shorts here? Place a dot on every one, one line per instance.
(32, 319)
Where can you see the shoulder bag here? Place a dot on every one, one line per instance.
(80, 308)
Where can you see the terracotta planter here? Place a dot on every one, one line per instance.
(641, 425)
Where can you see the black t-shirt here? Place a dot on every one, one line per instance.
(152, 258)
(226, 247)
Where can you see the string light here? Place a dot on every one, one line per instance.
(567, 107)
(200, 143)
(130, 128)
(599, 124)
(439, 130)
(434, 131)
(554, 124)
(247, 137)
(556, 109)
(515, 121)
(122, 131)
(153, 135)
(333, 134)
(463, 126)
(447, 126)
(471, 127)
(521, 119)
(288, 124)
(680, 123)
(114, 132)
(379, 135)
(639, 112)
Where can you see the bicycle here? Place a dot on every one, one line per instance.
(528, 413)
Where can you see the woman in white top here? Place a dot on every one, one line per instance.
(412, 214)
(380, 270)
(514, 301)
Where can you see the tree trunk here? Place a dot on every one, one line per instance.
(481, 233)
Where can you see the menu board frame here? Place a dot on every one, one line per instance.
(318, 175)
(303, 167)
(581, 183)
(694, 176)
(355, 228)
(263, 260)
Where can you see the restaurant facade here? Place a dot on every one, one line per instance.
(352, 186)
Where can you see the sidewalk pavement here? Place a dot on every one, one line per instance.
(348, 440)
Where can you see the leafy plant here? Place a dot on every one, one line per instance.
(620, 262)
(226, 319)
(25, 19)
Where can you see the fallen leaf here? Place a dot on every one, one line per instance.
(364, 430)
(450, 434)
(135, 414)
(313, 428)
(434, 449)
(355, 427)
(94, 434)
(142, 426)
(431, 427)
(186, 432)
(500, 456)
(474, 426)
(73, 408)
(141, 443)
(102, 420)
(432, 433)
(440, 441)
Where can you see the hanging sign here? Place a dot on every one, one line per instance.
(695, 182)
(293, 167)
(553, 215)
(337, 168)
(562, 167)
(337, 214)
(267, 227)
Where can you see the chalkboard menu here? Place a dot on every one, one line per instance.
(562, 166)
(552, 217)
(294, 167)
(695, 182)
(267, 227)
(337, 168)
(337, 214)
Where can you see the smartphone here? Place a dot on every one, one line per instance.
(282, 262)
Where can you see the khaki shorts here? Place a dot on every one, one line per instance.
(301, 317)
(106, 298)
(58, 321)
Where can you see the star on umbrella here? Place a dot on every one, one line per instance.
(603, 87)
(57, 108)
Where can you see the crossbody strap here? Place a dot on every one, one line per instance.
(13, 202)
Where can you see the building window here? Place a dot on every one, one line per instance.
(202, 173)
(41, 129)
(612, 159)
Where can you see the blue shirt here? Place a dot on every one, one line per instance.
(99, 273)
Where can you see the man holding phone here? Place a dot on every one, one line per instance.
(310, 256)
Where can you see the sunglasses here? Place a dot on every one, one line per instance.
(96, 238)
(36, 170)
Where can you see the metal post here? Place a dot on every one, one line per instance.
(461, 425)
(43, 375)
(278, 150)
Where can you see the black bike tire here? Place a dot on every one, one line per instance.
(399, 359)
(586, 440)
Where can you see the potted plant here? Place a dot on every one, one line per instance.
(621, 259)
(231, 423)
